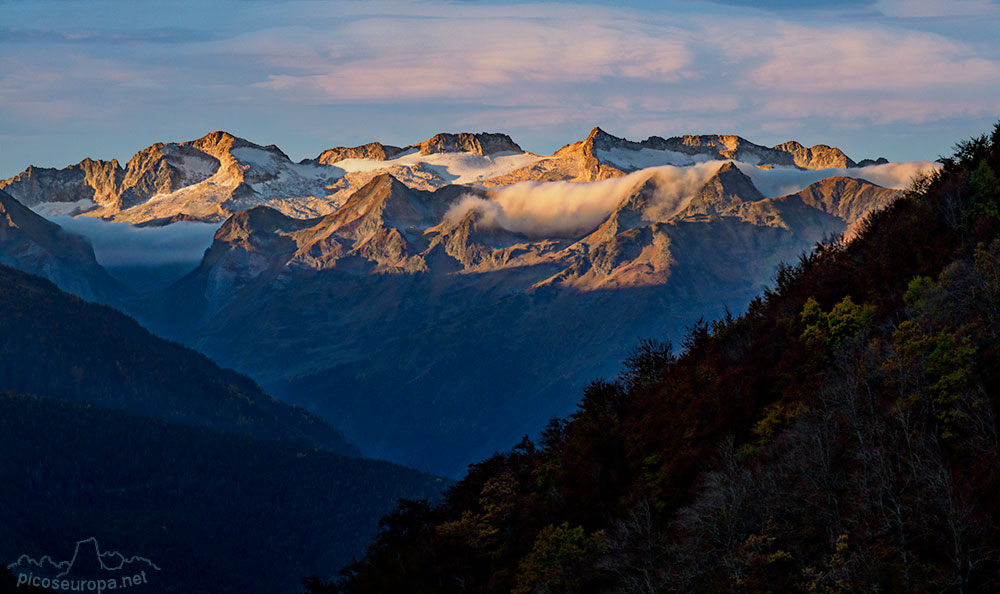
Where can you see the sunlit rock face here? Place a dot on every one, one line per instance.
(435, 300)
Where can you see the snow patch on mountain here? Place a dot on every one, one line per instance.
(63, 209)
(644, 158)
(453, 168)
(196, 168)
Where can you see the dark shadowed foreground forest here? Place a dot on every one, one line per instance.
(839, 436)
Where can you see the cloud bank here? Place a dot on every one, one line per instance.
(121, 245)
(780, 182)
(570, 209)
(548, 209)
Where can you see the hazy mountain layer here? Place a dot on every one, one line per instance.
(434, 327)
(55, 345)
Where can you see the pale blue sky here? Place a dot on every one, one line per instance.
(903, 79)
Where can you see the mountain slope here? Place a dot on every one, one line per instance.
(55, 345)
(399, 316)
(31, 243)
(214, 512)
(839, 436)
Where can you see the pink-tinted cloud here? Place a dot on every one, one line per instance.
(466, 57)
(797, 58)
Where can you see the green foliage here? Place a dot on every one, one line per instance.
(776, 416)
(485, 530)
(940, 367)
(986, 191)
(844, 321)
(557, 550)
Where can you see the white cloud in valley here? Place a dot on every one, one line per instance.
(125, 245)
(569, 209)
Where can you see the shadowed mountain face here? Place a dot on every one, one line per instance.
(432, 335)
(110, 434)
(31, 243)
(215, 512)
(55, 345)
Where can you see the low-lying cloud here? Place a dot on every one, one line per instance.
(548, 209)
(570, 209)
(566, 209)
(121, 245)
(780, 182)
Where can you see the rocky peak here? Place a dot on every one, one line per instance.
(598, 139)
(724, 143)
(383, 184)
(819, 156)
(380, 190)
(89, 179)
(845, 197)
(162, 168)
(722, 146)
(483, 143)
(375, 151)
(728, 188)
(218, 143)
(256, 220)
(870, 162)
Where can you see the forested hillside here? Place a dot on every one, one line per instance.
(838, 436)
(215, 512)
(56, 345)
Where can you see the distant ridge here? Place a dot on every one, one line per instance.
(214, 176)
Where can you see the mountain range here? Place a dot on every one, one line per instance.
(436, 302)
(219, 174)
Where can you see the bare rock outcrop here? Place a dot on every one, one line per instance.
(483, 143)
(375, 151)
